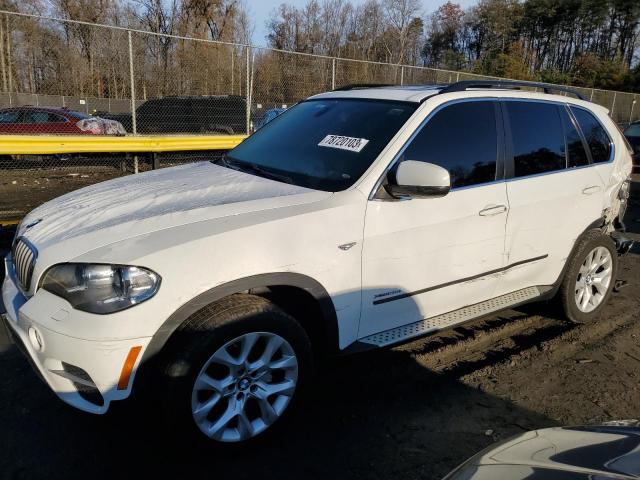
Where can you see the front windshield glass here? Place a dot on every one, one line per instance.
(321, 144)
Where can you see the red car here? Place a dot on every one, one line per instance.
(29, 120)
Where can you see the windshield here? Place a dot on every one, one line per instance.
(633, 130)
(322, 144)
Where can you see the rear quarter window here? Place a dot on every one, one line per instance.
(596, 136)
(576, 154)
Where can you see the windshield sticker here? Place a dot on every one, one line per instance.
(343, 143)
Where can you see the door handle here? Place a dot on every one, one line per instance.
(591, 190)
(493, 210)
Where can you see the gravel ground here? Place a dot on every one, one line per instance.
(411, 412)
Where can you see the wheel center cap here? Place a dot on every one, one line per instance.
(243, 384)
(589, 279)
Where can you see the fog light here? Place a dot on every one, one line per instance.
(36, 340)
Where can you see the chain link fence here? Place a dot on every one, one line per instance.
(68, 77)
(160, 84)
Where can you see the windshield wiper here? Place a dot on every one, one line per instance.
(269, 174)
(252, 168)
(222, 161)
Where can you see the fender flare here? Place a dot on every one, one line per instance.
(288, 279)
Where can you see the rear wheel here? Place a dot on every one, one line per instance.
(236, 369)
(589, 278)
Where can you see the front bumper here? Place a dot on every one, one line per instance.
(83, 373)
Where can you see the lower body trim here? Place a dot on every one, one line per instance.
(439, 322)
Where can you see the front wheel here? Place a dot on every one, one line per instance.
(590, 277)
(236, 370)
(244, 387)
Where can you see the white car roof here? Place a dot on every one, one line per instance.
(419, 93)
(403, 93)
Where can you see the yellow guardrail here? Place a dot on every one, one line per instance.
(52, 144)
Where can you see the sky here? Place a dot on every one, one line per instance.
(261, 10)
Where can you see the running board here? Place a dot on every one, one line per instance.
(428, 325)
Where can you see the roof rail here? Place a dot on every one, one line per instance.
(515, 84)
(355, 86)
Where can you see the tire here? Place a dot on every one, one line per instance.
(207, 344)
(581, 279)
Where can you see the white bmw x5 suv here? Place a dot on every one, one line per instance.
(360, 218)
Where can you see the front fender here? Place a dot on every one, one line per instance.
(289, 279)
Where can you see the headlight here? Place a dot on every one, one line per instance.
(101, 289)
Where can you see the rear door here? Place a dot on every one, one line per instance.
(554, 191)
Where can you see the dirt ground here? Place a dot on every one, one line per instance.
(26, 183)
(413, 412)
(21, 190)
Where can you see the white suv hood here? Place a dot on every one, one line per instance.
(144, 203)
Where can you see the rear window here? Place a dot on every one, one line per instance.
(323, 144)
(596, 136)
(537, 138)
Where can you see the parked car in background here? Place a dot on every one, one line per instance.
(225, 114)
(29, 120)
(569, 453)
(268, 116)
(632, 134)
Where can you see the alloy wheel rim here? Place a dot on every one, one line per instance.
(594, 279)
(244, 387)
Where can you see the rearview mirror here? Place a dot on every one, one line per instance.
(419, 180)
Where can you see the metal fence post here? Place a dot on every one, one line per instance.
(4, 70)
(591, 97)
(233, 56)
(402, 75)
(134, 127)
(633, 104)
(333, 73)
(247, 94)
(8, 34)
(613, 104)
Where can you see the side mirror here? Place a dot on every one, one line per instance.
(419, 180)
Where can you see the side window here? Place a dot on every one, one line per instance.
(36, 116)
(461, 138)
(576, 154)
(597, 138)
(12, 116)
(538, 138)
(53, 118)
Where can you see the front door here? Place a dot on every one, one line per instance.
(424, 257)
